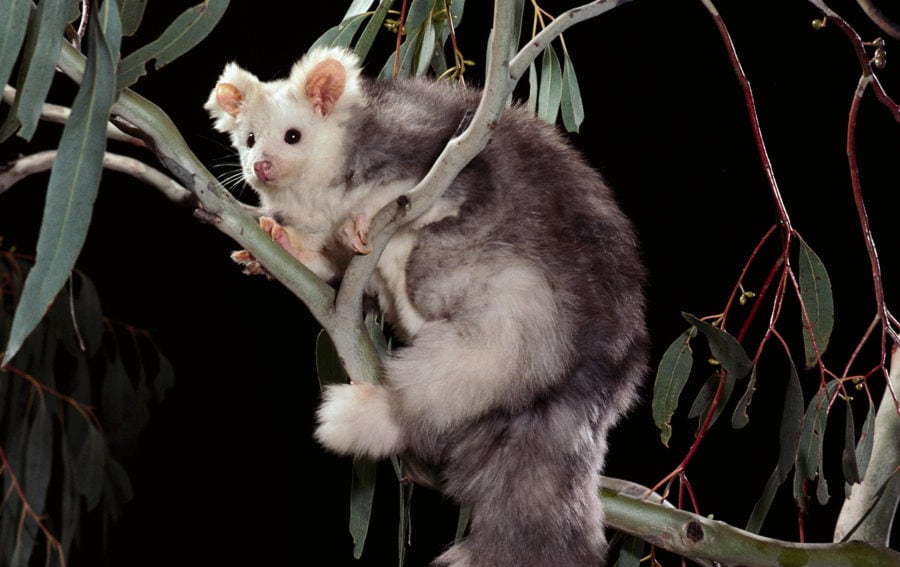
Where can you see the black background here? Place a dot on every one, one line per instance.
(227, 471)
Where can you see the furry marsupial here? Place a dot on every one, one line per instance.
(517, 298)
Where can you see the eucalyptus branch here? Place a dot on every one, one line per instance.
(700, 538)
(218, 205)
(60, 114)
(43, 161)
(500, 80)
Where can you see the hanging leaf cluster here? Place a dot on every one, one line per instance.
(803, 425)
(73, 401)
(32, 37)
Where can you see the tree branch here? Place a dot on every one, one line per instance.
(43, 161)
(701, 538)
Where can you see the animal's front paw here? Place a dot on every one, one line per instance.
(251, 266)
(355, 233)
(356, 419)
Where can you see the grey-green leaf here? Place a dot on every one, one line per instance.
(90, 467)
(724, 348)
(12, 34)
(849, 463)
(762, 506)
(571, 105)
(671, 376)
(362, 492)
(74, 180)
(630, 552)
(328, 365)
(533, 87)
(42, 45)
(550, 93)
(357, 7)
(39, 457)
(188, 29)
(132, 13)
(791, 423)
(367, 38)
(864, 447)
(740, 417)
(340, 35)
(815, 292)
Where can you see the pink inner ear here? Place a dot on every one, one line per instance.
(325, 85)
(229, 98)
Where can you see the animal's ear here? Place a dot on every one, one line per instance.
(227, 98)
(327, 78)
(325, 85)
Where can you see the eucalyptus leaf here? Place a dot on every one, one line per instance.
(357, 7)
(724, 348)
(550, 93)
(866, 437)
(90, 467)
(74, 180)
(815, 292)
(362, 493)
(367, 38)
(705, 397)
(328, 364)
(571, 105)
(671, 376)
(188, 29)
(764, 503)
(38, 458)
(533, 88)
(426, 49)
(791, 424)
(117, 489)
(12, 34)
(132, 12)
(849, 462)
(70, 500)
(340, 35)
(740, 418)
(43, 43)
(631, 551)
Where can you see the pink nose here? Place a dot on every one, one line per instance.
(263, 169)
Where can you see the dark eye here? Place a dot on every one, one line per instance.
(292, 136)
(251, 140)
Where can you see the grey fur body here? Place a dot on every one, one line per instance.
(519, 301)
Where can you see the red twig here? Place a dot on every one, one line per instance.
(401, 24)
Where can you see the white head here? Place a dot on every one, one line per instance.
(289, 132)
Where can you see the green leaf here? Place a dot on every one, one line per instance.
(724, 348)
(90, 467)
(671, 376)
(518, 17)
(188, 29)
(849, 462)
(70, 504)
(571, 105)
(12, 34)
(630, 552)
(117, 489)
(815, 292)
(364, 44)
(362, 492)
(356, 8)
(42, 46)
(328, 363)
(812, 435)
(74, 180)
(703, 402)
(38, 458)
(411, 53)
(791, 424)
(864, 448)
(132, 12)
(762, 506)
(740, 418)
(340, 35)
(462, 521)
(550, 92)
(533, 87)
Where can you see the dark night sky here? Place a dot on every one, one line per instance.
(227, 470)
